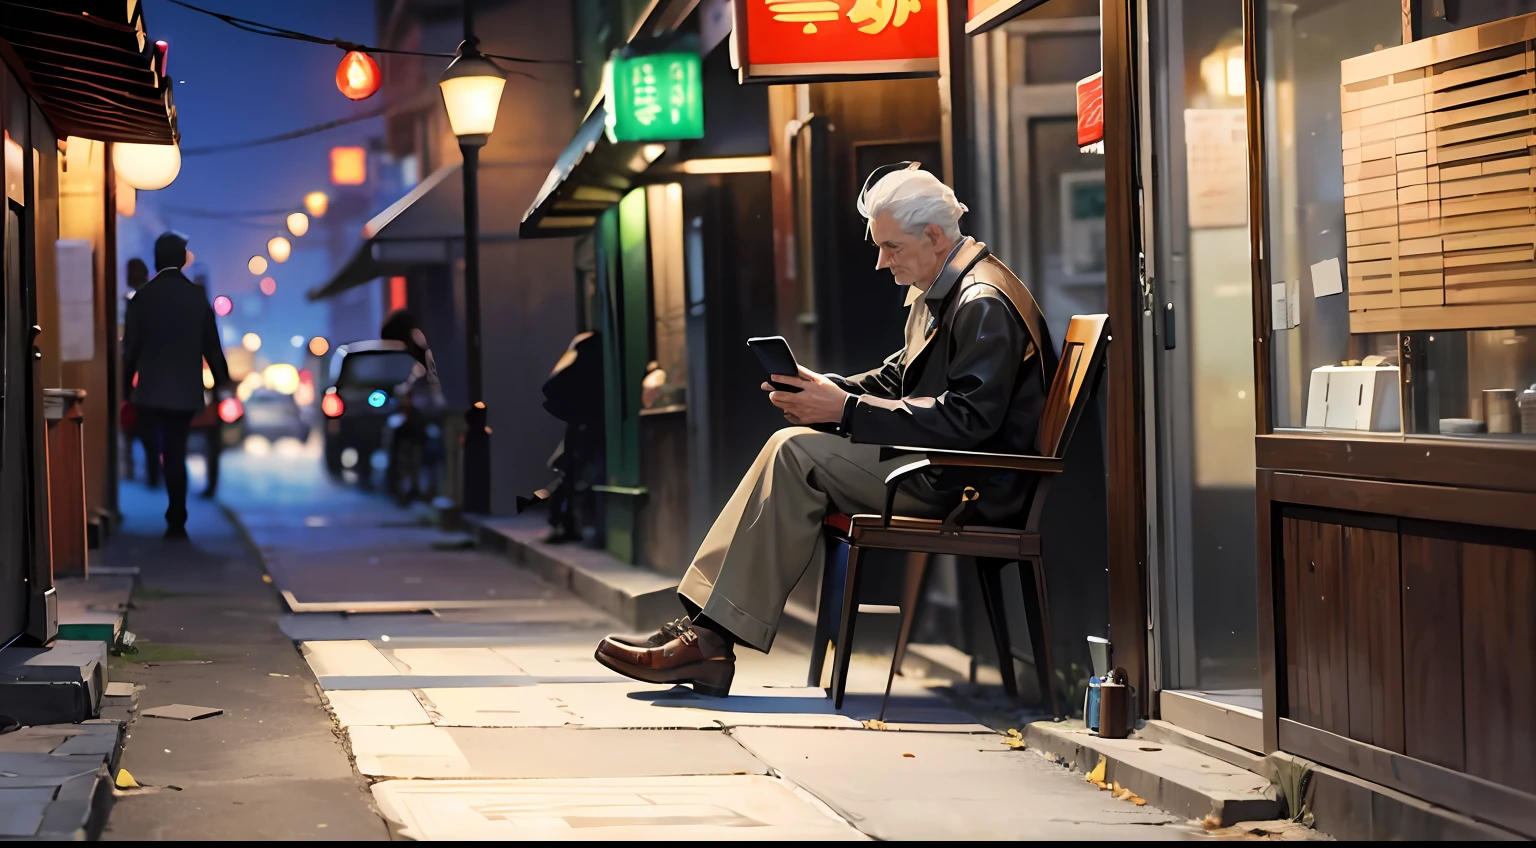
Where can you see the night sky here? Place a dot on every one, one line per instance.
(232, 86)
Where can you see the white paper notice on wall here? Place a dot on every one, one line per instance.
(77, 305)
(1279, 306)
(1326, 278)
(1293, 303)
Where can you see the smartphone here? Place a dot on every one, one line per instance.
(776, 358)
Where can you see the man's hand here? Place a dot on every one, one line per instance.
(819, 401)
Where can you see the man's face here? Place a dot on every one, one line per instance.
(914, 260)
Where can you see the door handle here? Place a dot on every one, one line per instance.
(1170, 327)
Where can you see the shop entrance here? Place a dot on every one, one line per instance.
(1205, 606)
(15, 473)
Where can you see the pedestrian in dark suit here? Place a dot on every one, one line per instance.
(171, 330)
(141, 433)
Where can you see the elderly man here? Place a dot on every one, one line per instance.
(972, 375)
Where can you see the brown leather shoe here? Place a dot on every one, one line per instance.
(666, 633)
(697, 656)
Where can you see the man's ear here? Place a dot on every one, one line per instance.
(935, 234)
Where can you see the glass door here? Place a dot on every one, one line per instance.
(1205, 632)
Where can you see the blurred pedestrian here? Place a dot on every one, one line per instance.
(170, 330)
(419, 396)
(138, 432)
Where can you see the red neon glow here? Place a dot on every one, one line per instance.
(396, 293)
(223, 306)
(230, 410)
(358, 77)
(164, 50)
(332, 406)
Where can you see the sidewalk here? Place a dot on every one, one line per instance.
(471, 703)
(270, 767)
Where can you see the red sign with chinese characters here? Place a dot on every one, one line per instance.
(825, 40)
(1090, 110)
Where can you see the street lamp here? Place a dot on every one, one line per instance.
(472, 87)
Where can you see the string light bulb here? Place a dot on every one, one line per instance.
(358, 76)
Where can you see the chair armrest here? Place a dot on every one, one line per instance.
(930, 458)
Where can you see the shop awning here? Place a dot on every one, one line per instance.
(591, 175)
(421, 228)
(91, 67)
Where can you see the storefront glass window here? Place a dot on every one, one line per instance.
(1399, 207)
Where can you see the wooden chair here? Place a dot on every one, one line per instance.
(1072, 390)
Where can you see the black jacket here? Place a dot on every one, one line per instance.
(973, 375)
(169, 331)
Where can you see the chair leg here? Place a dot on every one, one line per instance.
(917, 573)
(1036, 604)
(912, 595)
(991, 571)
(825, 611)
(842, 650)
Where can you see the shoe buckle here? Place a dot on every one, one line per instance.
(688, 636)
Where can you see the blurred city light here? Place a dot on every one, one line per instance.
(230, 410)
(207, 378)
(318, 345)
(349, 166)
(268, 286)
(377, 398)
(248, 386)
(257, 446)
(257, 265)
(357, 77)
(297, 341)
(146, 166)
(349, 457)
(298, 224)
(279, 248)
(304, 395)
(251, 342)
(223, 306)
(316, 202)
(281, 378)
(332, 405)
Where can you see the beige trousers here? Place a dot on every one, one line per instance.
(770, 531)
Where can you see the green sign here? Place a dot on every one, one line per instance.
(658, 97)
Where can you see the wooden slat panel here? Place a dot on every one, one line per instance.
(1482, 185)
(1320, 595)
(1371, 251)
(1486, 257)
(1490, 238)
(1480, 71)
(1296, 655)
(1474, 150)
(1377, 235)
(1498, 658)
(1514, 289)
(1375, 643)
(1479, 112)
(1433, 718)
(1486, 203)
(1484, 221)
(1431, 296)
(1471, 94)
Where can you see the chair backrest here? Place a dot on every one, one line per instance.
(1077, 379)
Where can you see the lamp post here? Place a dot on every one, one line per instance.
(471, 88)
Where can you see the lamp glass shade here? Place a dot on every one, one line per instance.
(358, 77)
(146, 166)
(298, 224)
(472, 88)
(278, 248)
(316, 202)
(257, 265)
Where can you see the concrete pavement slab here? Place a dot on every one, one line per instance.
(507, 626)
(496, 753)
(735, 808)
(376, 707)
(475, 662)
(637, 705)
(360, 665)
(947, 787)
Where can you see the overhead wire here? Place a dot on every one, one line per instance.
(259, 28)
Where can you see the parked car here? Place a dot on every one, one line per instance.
(359, 402)
(273, 415)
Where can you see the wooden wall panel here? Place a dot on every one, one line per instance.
(1373, 612)
(1316, 631)
(1438, 193)
(1433, 717)
(1499, 663)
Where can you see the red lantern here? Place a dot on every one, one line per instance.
(358, 75)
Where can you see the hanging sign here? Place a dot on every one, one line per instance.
(655, 97)
(983, 15)
(779, 41)
(1090, 114)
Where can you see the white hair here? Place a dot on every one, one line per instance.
(915, 198)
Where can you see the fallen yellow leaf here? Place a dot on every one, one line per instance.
(909, 755)
(266, 578)
(874, 724)
(1014, 742)
(125, 780)
(1140, 802)
(1210, 822)
(1097, 775)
